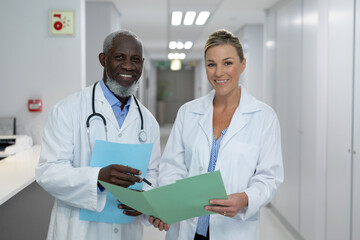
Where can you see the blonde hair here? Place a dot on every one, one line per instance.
(221, 37)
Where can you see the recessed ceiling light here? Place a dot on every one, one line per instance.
(189, 18)
(179, 45)
(182, 56)
(176, 18)
(172, 45)
(188, 45)
(202, 17)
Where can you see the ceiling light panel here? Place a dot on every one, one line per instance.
(176, 18)
(202, 17)
(189, 18)
(172, 45)
(188, 45)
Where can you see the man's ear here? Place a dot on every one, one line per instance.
(102, 59)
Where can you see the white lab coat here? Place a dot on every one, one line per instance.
(251, 143)
(64, 170)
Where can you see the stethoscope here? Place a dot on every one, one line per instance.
(142, 133)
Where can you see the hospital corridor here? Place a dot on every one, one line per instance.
(229, 119)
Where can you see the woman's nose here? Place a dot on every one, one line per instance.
(219, 71)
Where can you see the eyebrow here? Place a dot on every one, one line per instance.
(225, 59)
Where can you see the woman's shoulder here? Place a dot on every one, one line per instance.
(199, 105)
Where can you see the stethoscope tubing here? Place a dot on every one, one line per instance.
(142, 133)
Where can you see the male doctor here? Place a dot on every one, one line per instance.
(63, 168)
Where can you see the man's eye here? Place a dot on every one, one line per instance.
(136, 60)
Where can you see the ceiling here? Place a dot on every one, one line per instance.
(150, 20)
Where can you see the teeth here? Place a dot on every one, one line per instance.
(126, 75)
(221, 81)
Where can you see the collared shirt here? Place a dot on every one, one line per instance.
(203, 221)
(115, 104)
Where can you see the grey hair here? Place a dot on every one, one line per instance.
(109, 39)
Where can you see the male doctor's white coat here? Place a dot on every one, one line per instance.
(64, 169)
(249, 160)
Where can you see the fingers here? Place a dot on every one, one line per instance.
(132, 213)
(157, 223)
(119, 175)
(129, 211)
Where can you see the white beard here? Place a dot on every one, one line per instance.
(119, 90)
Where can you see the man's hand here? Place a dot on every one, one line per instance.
(129, 211)
(119, 175)
(159, 224)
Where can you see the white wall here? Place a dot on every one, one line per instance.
(202, 85)
(35, 64)
(101, 19)
(311, 65)
(251, 38)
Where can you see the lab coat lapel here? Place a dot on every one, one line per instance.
(206, 121)
(131, 116)
(104, 108)
(241, 117)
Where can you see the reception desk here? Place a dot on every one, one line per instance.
(25, 207)
(17, 172)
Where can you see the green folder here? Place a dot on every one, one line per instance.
(174, 202)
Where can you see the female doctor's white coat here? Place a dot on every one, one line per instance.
(64, 170)
(249, 160)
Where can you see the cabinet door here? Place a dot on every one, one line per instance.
(356, 132)
(339, 133)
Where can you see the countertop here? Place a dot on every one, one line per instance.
(17, 172)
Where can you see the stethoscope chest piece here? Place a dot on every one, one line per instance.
(142, 136)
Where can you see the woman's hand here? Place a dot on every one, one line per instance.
(159, 224)
(229, 207)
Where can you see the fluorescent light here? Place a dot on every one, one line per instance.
(189, 18)
(182, 56)
(175, 65)
(179, 45)
(188, 45)
(172, 45)
(176, 18)
(270, 44)
(202, 17)
(170, 56)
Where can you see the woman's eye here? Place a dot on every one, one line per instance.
(228, 63)
(211, 65)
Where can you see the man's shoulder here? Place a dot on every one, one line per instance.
(74, 100)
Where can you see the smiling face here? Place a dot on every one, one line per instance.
(123, 62)
(223, 68)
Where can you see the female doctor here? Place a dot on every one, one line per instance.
(227, 130)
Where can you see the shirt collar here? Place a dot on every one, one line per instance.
(111, 98)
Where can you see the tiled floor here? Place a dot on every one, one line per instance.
(270, 226)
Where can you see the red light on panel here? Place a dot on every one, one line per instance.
(35, 105)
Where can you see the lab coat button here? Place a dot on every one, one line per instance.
(200, 168)
(116, 230)
(120, 135)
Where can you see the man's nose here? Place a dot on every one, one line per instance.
(128, 65)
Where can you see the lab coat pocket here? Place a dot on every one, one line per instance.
(240, 165)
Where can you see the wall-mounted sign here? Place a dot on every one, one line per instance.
(62, 22)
